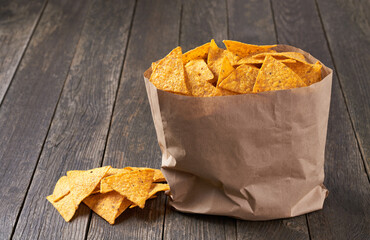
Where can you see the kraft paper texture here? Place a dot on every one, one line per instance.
(252, 156)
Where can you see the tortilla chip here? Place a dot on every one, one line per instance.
(156, 187)
(134, 185)
(200, 52)
(274, 75)
(106, 205)
(258, 61)
(104, 186)
(243, 50)
(309, 73)
(61, 189)
(65, 206)
(83, 183)
(197, 76)
(226, 69)
(241, 80)
(124, 205)
(169, 75)
(214, 60)
(282, 55)
(158, 175)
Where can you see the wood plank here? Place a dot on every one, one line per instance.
(346, 210)
(132, 139)
(79, 130)
(201, 21)
(28, 107)
(351, 57)
(17, 22)
(252, 22)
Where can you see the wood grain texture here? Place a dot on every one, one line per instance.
(348, 31)
(346, 210)
(201, 21)
(28, 107)
(132, 139)
(78, 133)
(252, 22)
(17, 22)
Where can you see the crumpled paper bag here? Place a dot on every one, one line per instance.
(251, 156)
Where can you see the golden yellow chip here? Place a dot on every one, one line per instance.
(281, 55)
(243, 50)
(197, 77)
(61, 189)
(104, 186)
(200, 52)
(226, 69)
(83, 183)
(258, 61)
(106, 205)
(274, 75)
(134, 185)
(309, 73)
(156, 187)
(65, 206)
(241, 80)
(158, 175)
(214, 60)
(169, 75)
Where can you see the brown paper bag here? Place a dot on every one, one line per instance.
(252, 156)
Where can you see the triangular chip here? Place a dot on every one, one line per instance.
(65, 206)
(309, 73)
(83, 183)
(214, 60)
(225, 70)
(134, 185)
(61, 189)
(200, 52)
(281, 55)
(197, 76)
(243, 50)
(274, 75)
(168, 74)
(156, 187)
(104, 186)
(106, 205)
(158, 175)
(241, 80)
(124, 205)
(258, 61)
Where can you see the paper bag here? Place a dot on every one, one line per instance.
(256, 156)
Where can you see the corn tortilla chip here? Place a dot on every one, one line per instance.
(226, 69)
(241, 80)
(65, 206)
(134, 185)
(197, 76)
(200, 52)
(158, 175)
(104, 186)
(214, 60)
(281, 55)
(258, 61)
(169, 75)
(309, 73)
(106, 205)
(156, 187)
(274, 75)
(243, 50)
(83, 183)
(61, 189)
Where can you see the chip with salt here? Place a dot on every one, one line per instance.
(243, 50)
(156, 187)
(65, 206)
(104, 186)
(274, 75)
(168, 74)
(309, 73)
(107, 205)
(158, 175)
(241, 80)
(200, 52)
(197, 76)
(134, 185)
(226, 69)
(60, 190)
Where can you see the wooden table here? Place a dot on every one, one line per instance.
(72, 97)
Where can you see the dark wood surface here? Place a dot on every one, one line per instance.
(72, 97)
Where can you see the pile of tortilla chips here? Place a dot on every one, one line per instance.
(107, 191)
(208, 70)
